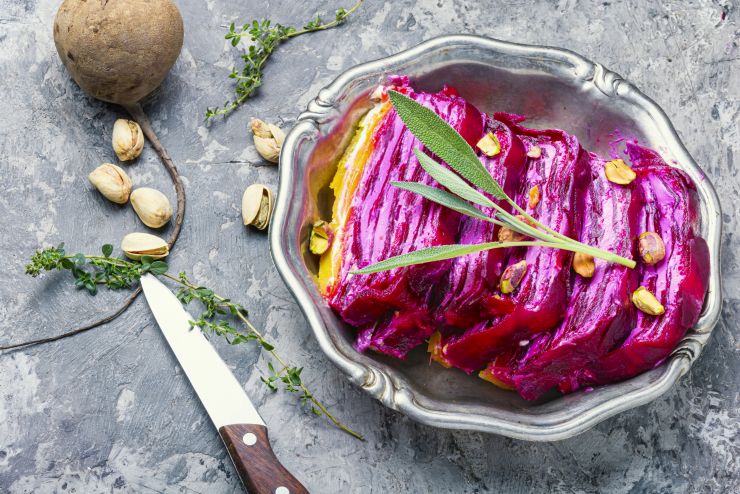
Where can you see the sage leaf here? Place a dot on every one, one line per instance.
(450, 180)
(440, 253)
(443, 198)
(444, 141)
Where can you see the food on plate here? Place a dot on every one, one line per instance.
(528, 317)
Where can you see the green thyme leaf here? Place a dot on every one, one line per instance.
(444, 141)
(263, 38)
(451, 181)
(443, 198)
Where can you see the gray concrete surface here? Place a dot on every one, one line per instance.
(110, 410)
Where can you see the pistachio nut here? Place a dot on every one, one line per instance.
(128, 139)
(646, 302)
(534, 152)
(651, 247)
(618, 172)
(513, 276)
(489, 145)
(320, 238)
(152, 207)
(534, 197)
(506, 234)
(136, 245)
(583, 264)
(112, 182)
(268, 139)
(257, 204)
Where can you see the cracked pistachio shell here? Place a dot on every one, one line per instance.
(268, 139)
(136, 245)
(646, 302)
(257, 204)
(112, 182)
(128, 139)
(152, 207)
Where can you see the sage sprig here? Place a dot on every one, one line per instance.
(445, 142)
(216, 317)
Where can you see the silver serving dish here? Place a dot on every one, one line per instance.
(554, 88)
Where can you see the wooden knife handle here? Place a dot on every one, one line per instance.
(259, 469)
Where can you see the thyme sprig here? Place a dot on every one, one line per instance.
(465, 171)
(216, 317)
(264, 37)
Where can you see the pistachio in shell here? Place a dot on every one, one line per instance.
(112, 182)
(257, 205)
(152, 207)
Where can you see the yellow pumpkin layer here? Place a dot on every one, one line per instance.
(344, 184)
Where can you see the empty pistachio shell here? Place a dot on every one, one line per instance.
(268, 139)
(646, 302)
(257, 204)
(584, 265)
(320, 239)
(489, 145)
(112, 182)
(512, 277)
(136, 245)
(618, 172)
(152, 207)
(534, 152)
(534, 197)
(651, 247)
(128, 139)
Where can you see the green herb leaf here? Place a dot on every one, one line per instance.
(107, 250)
(443, 198)
(451, 181)
(444, 141)
(440, 253)
(158, 267)
(264, 38)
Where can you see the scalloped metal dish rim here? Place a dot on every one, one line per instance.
(381, 380)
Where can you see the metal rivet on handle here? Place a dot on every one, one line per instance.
(282, 490)
(249, 439)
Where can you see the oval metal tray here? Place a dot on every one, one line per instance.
(553, 88)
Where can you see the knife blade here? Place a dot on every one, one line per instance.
(239, 424)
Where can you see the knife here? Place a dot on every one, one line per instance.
(239, 424)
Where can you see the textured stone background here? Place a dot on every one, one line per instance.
(110, 410)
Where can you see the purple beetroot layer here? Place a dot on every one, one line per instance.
(557, 329)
